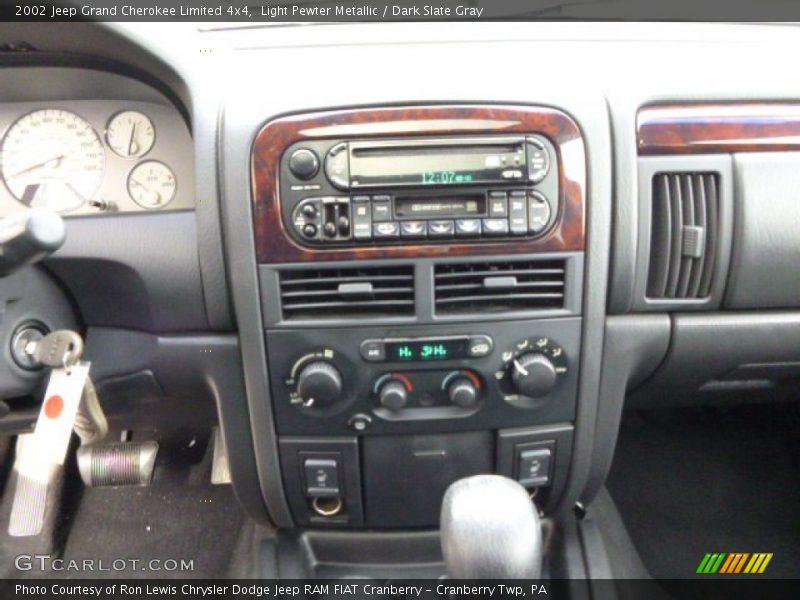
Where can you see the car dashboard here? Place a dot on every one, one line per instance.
(381, 258)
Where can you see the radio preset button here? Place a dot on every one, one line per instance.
(498, 204)
(381, 209)
(480, 345)
(538, 213)
(468, 227)
(373, 350)
(362, 231)
(386, 230)
(413, 229)
(362, 218)
(441, 229)
(495, 227)
(518, 212)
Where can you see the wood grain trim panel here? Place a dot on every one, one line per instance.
(274, 245)
(710, 128)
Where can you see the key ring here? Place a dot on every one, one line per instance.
(64, 364)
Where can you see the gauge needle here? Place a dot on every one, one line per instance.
(155, 197)
(56, 160)
(130, 143)
(80, 196)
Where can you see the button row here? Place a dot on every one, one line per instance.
(517, 212)
(440, 228)
(509, 213)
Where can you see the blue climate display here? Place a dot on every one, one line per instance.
(426, 350)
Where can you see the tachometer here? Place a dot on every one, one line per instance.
(52, 159)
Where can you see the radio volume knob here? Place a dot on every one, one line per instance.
(304, 163)
(319, 384)
(393, 395)
(533, 375)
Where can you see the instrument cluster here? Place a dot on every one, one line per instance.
(94, 157)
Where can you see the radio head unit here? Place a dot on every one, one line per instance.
(373, 191)
(439, 161)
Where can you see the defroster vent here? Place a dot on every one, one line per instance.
(340, 293)
(684, 235)
(495, 287)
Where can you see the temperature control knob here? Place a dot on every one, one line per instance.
(462, 392)
(319, 384)
(533, 374)
(393, 395)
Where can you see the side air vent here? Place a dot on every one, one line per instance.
(348, 292)
(496, 287)
(684, 235)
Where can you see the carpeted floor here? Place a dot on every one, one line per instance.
(692, 481)
(180, 517)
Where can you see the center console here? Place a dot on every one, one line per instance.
(420, 273)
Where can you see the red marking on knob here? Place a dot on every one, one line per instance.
(405, 379)
(474, 378)
(53, 407)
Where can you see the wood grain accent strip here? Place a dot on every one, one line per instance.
(710, 128)
(274, 245)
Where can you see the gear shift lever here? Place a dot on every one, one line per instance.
(490, 530)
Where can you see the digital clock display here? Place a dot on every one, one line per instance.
(446, 177)
(426, 350)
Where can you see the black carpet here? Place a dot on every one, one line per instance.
(693, 481)
(180, 517)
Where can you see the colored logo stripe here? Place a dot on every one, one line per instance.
(730, 564)
(735, 563)
(758, 563)
(711, 563)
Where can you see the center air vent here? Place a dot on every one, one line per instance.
(495, 287)
(684, 235)
(332, 293)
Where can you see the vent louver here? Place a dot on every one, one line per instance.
(684, 235)
(474, 288)
(334, 293)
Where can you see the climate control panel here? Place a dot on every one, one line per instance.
(370, 380)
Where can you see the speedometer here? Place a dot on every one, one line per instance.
(52, 159)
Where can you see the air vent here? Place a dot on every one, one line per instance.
(684, 235)
(496, 287)
(346, 293)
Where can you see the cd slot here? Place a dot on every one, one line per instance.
(435, 162)
(393, 150)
